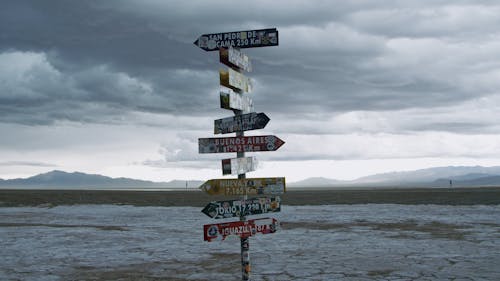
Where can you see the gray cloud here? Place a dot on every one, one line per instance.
(341, 66)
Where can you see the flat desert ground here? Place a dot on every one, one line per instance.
(311, 196)
(410, 234)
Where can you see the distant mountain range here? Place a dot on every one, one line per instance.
(65, 180)
(460, 176)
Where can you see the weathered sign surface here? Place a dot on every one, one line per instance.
(239, 144)
(236, 208)
(234, 58)
(238, 123)
(238, 39)
(235, 80)
(242, 229)
(239, 166)
(235, 101)
(253, 186)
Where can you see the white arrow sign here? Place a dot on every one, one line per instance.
(239, 166)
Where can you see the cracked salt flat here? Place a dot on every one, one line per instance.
(341, 242)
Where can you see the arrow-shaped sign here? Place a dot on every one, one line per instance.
(235, 59)
(239, 144)
(235, 101)
(252, 186)
(235, 80)
(236, 208)
(238, 39)
(242, 229)
(239, 166)
(239, 123)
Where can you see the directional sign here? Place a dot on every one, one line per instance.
(239, 166)
(253, 186)
(238, 39)
(239, 123)
(236, 208)
(242, 229)
(239, 144)
(235, 101)
(234, 58)
(235, 80)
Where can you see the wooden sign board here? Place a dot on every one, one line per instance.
(243, 229)
(235, 80)
(240, 123)
(237, 208)
(238, 39)
(239, 166)
(239, 144)
(235, 101)
(234, 58)
(252, 186)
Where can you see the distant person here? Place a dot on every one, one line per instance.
(451, 183)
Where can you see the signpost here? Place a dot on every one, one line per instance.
(234, 58)
(234, 80)
(236, 208)
(244, 122)
(239, 144)
(250, 186)
(238, 39)
(238, 166)
(245, 119)
(234, 101)
(243, 229)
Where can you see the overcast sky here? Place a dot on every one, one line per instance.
(354, 87)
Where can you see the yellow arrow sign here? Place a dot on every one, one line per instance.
(254, 186)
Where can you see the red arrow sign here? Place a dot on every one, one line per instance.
(239, 144)
(242, 229)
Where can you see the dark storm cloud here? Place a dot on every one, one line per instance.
(100, 61)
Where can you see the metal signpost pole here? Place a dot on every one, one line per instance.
(245, 241)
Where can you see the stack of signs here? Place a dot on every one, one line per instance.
(232, 97)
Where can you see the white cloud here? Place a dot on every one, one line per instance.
(388, 146)
(28, 77)
(118, 86)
